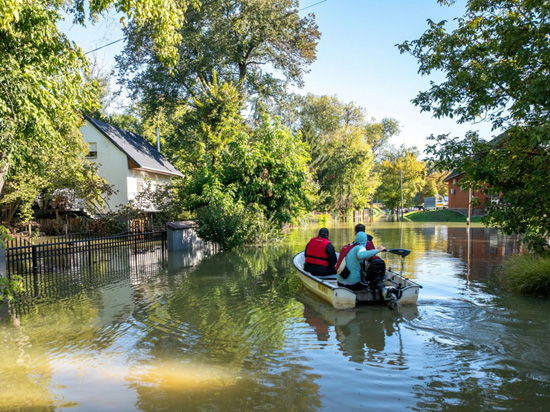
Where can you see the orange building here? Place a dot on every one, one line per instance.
(458, 197)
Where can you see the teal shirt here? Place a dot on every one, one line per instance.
(354, 258)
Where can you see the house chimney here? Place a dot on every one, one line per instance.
(158, 140)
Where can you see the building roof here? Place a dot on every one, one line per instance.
(138, 149)
(452, 175)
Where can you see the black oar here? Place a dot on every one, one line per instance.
(400, 252)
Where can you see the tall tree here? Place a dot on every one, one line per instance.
(400, 165)
(237, 39)
(434, 185)
(346, 177)
(42, 91)
(343, 144)
(240, 177)
(496, 68)
(43, 87)
(163, 17)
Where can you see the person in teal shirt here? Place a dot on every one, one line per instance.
(353, 262)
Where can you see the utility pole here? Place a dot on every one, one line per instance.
(158, 133)
(469, 206)
(401, 186)
(158, 140)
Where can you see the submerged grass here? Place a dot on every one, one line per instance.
(529, 274)
(444, 215)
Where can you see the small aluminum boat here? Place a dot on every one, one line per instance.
(343, 298)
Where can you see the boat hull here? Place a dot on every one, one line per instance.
(344, 298)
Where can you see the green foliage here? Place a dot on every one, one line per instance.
(43, 90)
(270, 169)
(502, 167)
(527, 274)
(494, 63)
(347, 175)
(228, 222)
(403, 161)
(65, 183)
(45, 86)
(42, 93)
(4, 236)
(218, 111)
(236, 39)
(162, 17)
(343, 145)
(434, 185)
(323, 219)
(9, 288)
(247, 181)
(493, 60)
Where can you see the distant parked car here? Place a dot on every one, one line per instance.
(441, 202)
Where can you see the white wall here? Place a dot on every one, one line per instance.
(112, 162)
(137, 181)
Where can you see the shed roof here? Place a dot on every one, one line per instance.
(138, 149)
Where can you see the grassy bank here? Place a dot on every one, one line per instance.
(439, 216)
(527, 274)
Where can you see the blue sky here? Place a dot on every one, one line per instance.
(356, 60)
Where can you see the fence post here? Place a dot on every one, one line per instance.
(89, 252)
(34, 269)
(3, 263)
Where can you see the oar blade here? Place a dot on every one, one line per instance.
(400, 252)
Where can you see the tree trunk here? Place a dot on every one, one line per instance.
(242, 72)
(4, 167)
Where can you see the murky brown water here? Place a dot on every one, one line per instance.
(236, 332)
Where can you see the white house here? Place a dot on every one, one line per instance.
(125, 160)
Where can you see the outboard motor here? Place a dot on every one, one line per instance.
(375, 272)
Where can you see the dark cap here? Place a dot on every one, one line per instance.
(323, 232)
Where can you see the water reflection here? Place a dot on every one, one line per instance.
(203, 331)
(189, 258)
(361, 332)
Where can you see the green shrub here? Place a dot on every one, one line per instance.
(528, 274)
(230, 223)
(9, 288)
(233, 224)
(323, 218)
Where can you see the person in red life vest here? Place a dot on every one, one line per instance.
(320, 255)
(370, 244)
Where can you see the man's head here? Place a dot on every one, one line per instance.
(359, 228)
(323, 232)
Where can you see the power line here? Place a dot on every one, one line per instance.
(105, 45)
(315, 4)
(116, 41)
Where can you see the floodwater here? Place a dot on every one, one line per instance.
(235, 331)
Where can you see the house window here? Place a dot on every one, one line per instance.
(454, 181)
(92, 151)
(452, 191)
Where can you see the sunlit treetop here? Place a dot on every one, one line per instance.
(495, 61)
(164, 17)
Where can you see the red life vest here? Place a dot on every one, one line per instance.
(341, 264)
(316, 253)
(370, 246)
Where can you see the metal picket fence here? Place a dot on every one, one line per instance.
(59, 264)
